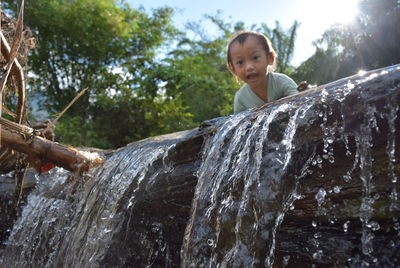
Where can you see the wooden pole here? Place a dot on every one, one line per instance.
(41, 149)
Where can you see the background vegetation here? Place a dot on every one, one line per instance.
(145, 77)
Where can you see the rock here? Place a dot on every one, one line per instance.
(309, 179)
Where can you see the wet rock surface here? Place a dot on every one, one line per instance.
(311, 179)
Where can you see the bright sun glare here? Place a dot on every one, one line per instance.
(347, 9)
(336, 11)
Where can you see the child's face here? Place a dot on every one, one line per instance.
(250, 61)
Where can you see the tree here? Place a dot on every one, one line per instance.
(283, 42)
(318, 69)
(197, 71)
(370, 42)
(108, 48)
(197, 68)
(379, 36)
(144, 77)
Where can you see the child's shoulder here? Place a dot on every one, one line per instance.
(243, 92)
(280, 77)
(243, 89)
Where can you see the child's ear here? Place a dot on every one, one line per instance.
(270, 59)
(231, 68)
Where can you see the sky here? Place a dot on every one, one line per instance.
(315, 16)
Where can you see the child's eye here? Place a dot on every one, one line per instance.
(239, 62)
(256, 57)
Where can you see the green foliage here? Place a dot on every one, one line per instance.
(379, 37)
(319, 69)
(144, 77)
(283, 42)
(108, 48)
(197, 68)
(370, 42)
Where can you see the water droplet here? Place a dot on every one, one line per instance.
(286, 260)
(346, 226)
(337, 189)
(317, 255)
(350, 85)
(365, 264)
(297, 196)
(393, 194)
(129, 204)
(373, 225)
(330, 140)
(210, 242)
(320, 196)
(314, 224)
(347, 178)
(366, 241)
(361, 72)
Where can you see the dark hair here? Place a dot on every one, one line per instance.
(242, 36)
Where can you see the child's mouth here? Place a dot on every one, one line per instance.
(251, 77)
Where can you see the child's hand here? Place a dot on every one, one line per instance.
(303, 86)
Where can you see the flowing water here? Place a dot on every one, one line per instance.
(91, 228)
(253, 172)
(252, 168)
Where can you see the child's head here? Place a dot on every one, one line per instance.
(242, 36)
(250, 57)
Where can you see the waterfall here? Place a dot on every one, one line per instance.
(242, 193)
(252, 167)
(307, 180)
(93, 226)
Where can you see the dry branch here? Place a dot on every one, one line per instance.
(18, 74)
(36, 147)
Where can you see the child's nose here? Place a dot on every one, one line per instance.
(249, 66)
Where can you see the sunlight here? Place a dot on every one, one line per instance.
(335, 11)
(346, 10)
(361, 72)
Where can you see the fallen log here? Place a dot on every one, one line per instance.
(40, 150)
(331, 155)
(311, 179)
